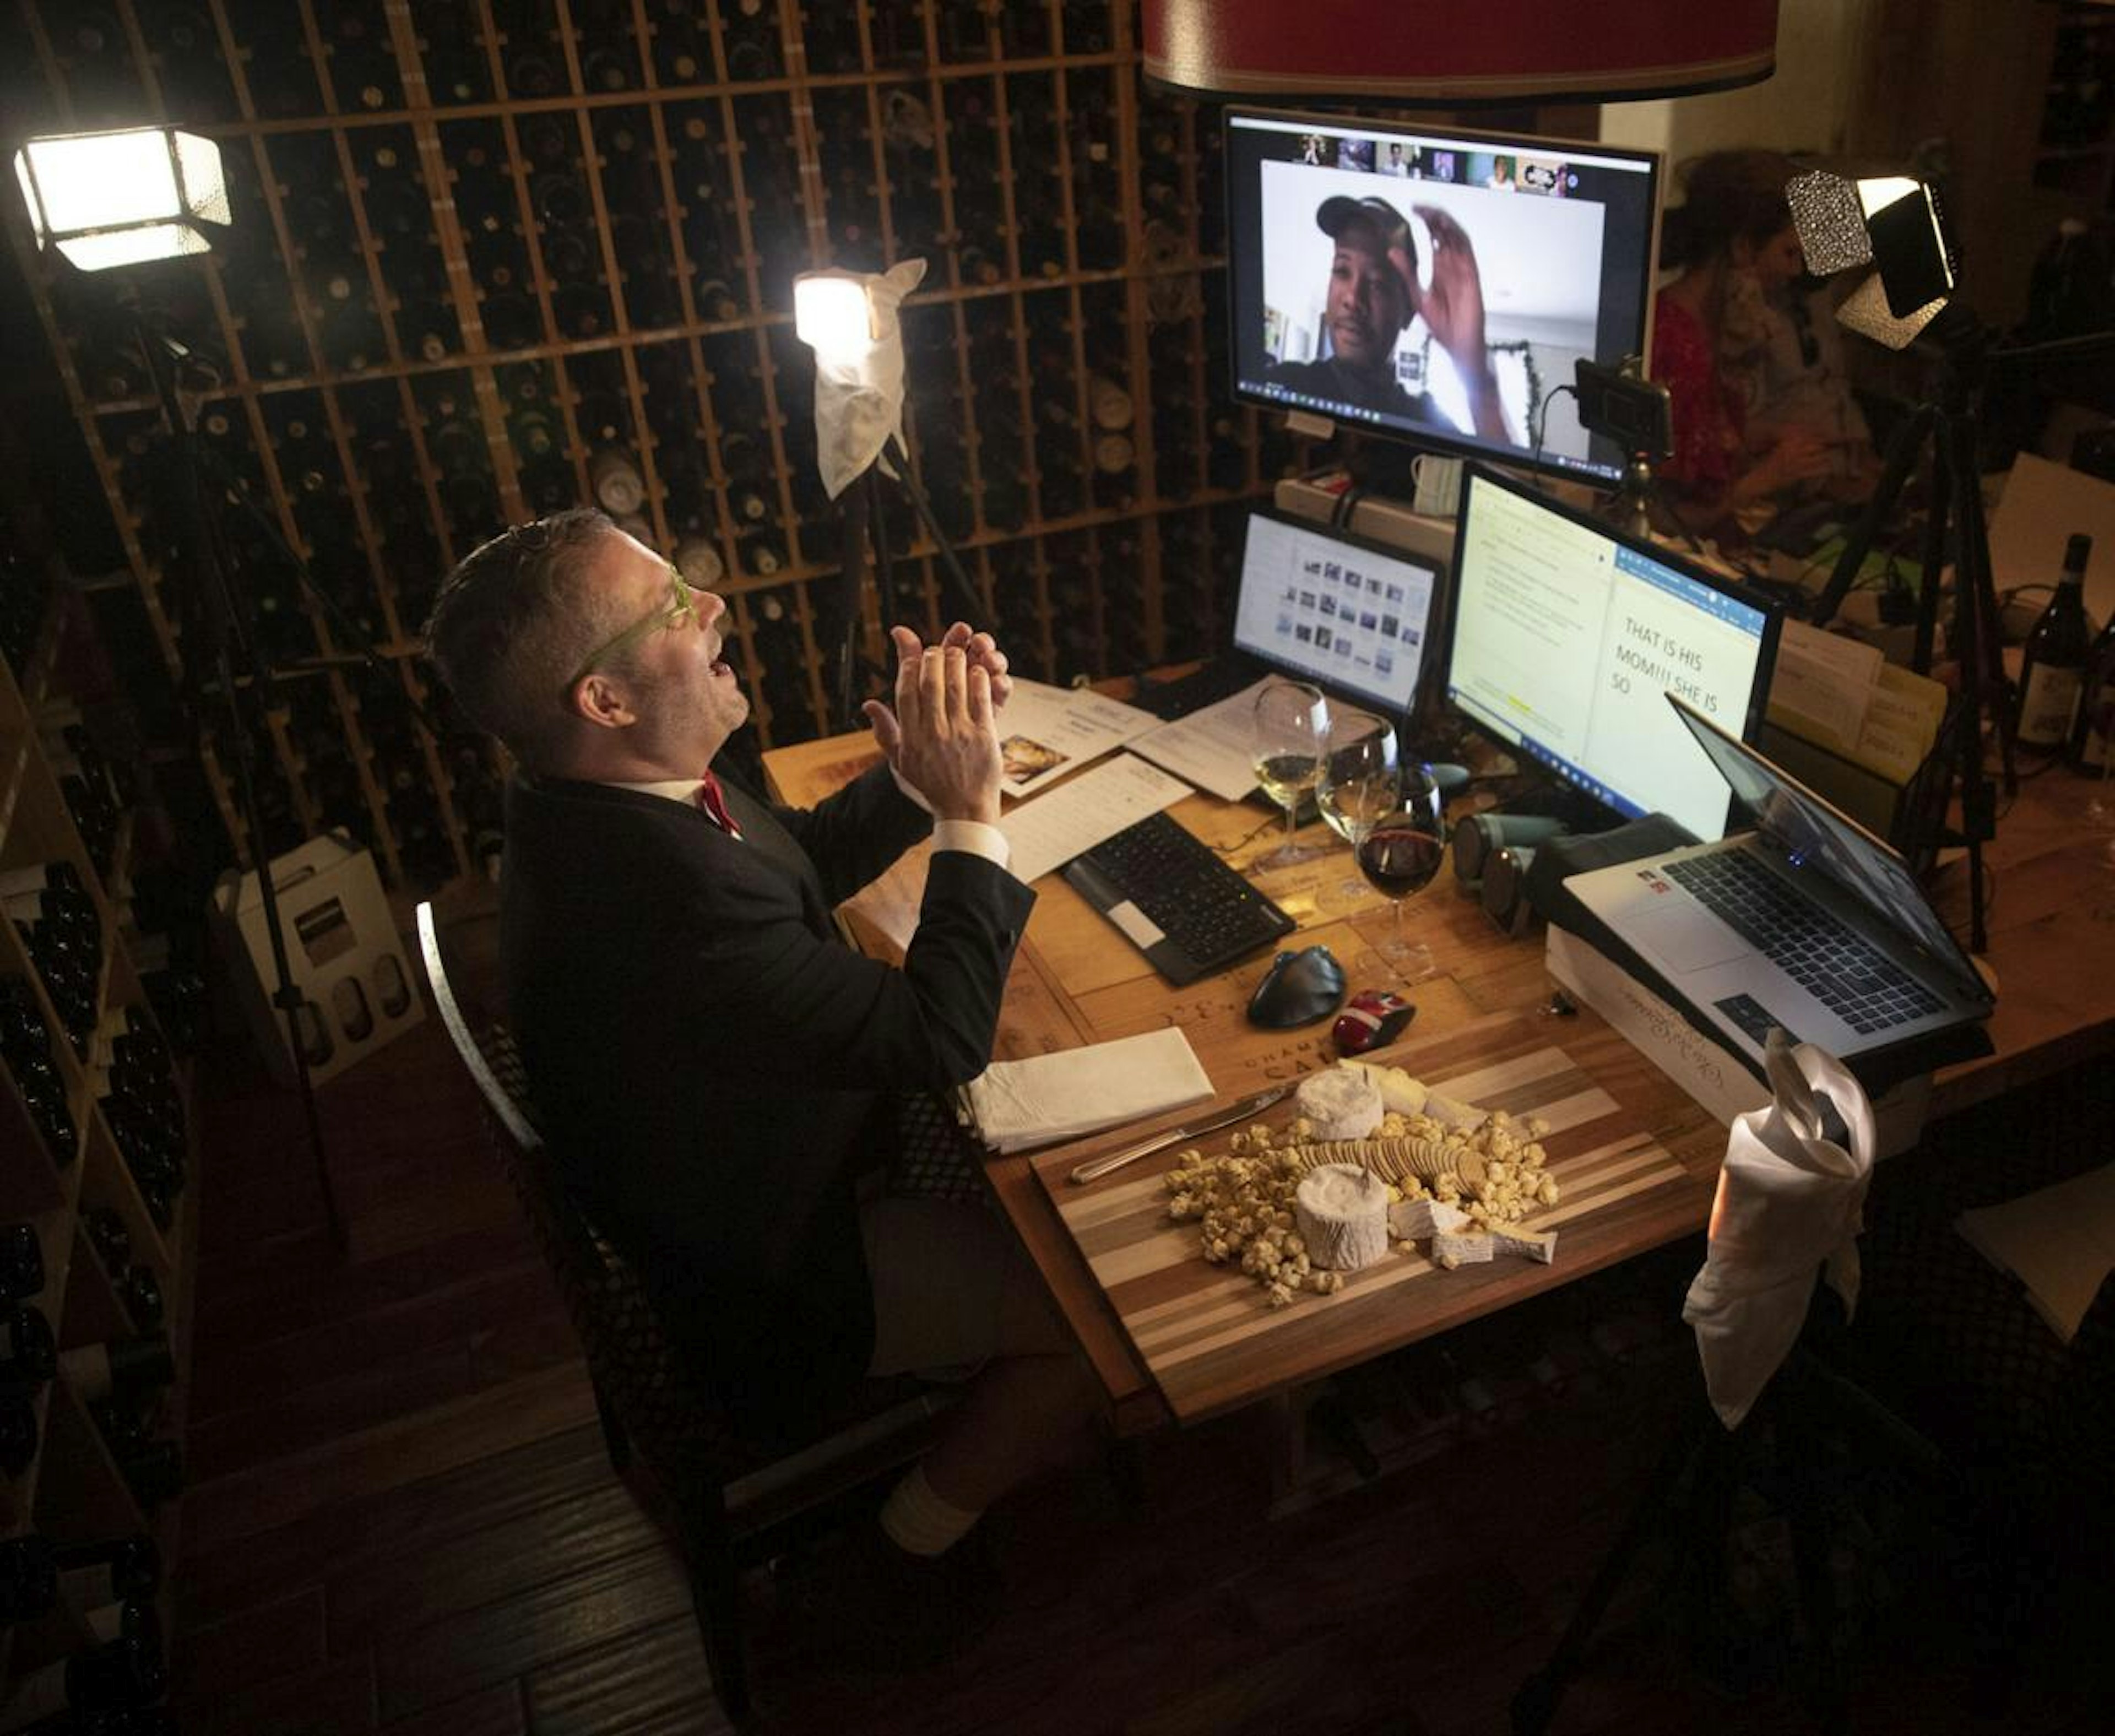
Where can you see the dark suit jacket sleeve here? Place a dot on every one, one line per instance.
(776, 1000)
(854, 835)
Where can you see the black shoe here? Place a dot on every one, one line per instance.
(872, 1605)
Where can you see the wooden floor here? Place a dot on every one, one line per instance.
(400, 1516)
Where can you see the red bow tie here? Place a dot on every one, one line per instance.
(713, 801)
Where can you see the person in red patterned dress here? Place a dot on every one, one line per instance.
(1734, 241)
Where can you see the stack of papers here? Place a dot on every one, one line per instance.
(1046, 731)
(1215, 747)
(1843, 696)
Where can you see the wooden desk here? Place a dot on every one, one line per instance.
(2052, 944)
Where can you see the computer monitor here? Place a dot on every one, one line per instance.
(1346, 613)
(1567, 634)
(1563, 234)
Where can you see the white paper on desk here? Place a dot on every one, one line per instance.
(2059, 1242)
(1046, 731)
(1054, 828)
(1214, 748)
(1828, 680)
(1048, 1098)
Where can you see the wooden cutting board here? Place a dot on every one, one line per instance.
(1209, 1336)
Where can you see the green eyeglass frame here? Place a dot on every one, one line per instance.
(682, 610)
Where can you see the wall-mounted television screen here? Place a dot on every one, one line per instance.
(1436, 284)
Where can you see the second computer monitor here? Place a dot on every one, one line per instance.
(1566, 633)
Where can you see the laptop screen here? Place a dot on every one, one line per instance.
(1808, 830)
(1342, 612)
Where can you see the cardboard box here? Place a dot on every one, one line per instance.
(342, 953)
(1719, 1081)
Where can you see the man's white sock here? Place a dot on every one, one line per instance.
(918, 1521)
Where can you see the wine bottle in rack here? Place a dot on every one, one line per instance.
(140, 1290)
(26, 1043)
(39, 1575)
(362, 68)
(134, 1370)
(63, 933)
(85, 786)
(753, 47)
(101, 79)
(451, 50)
(21, 1264)
(746, 462)
(28, 1353)
(682, 43)
(535, 65)
(831, 35)
(1086, 26)
(185, 50)
(107, 1234)
(91, 1688)
(620, 490)
(18, 1434)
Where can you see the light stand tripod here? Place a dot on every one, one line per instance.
(229, 642)
(1948, 423)
(865, 516)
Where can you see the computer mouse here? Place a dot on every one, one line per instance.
(1375, 1017)
(1298, 989)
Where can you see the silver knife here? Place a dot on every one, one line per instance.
(1249, 1106)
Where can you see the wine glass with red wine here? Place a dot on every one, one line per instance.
(1399, 856)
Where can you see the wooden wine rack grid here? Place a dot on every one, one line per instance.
(478, 243)
(481, 248)
(74, 1489)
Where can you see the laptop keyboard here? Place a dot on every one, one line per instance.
(1208, 914)
(1853, 979)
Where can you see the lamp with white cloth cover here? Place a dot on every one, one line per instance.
(851, 319)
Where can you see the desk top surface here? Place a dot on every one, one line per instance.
(1142, 1318)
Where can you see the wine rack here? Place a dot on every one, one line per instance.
(489, 259)
(96, 1154)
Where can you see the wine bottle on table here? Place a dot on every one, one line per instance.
(2052, 672)
(2091, 732)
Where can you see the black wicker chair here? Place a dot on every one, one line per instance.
(725, 1497)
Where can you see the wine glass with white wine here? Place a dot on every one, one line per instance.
(1361, 780)
(1290, 724)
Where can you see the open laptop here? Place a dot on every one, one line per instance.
(1809, 922)
(1349, 614)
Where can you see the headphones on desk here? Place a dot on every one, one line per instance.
(1492, 855)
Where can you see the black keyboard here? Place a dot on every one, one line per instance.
(1850, 976)
(1205, 915)
(1221, 678)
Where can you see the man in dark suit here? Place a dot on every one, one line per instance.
(715, 1070)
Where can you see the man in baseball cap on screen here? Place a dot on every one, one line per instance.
(1374, 296)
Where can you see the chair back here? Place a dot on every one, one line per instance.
(684, 1437)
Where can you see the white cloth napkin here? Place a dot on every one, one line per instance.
(1790, 1198)
(858, 400)
(1048, 1098)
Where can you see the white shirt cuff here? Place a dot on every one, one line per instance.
(973, 837)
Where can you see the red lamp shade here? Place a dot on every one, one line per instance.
(1455, 51)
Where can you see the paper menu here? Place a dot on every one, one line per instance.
(1042, 834)
(1842, 695)
(1053, 828)
(1047, 731)
(1215, 747)
(1827, 679)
